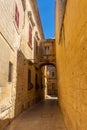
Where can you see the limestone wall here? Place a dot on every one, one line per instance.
(26, 98)
(71, 61)
(9, 43)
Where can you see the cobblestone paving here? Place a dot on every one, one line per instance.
(44, 116)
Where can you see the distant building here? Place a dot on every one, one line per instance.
(48, 60)
(51, 81)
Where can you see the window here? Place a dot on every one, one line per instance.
(53, 74)
(47, 50)
(53, 86)
(10, 72)
(30, 85)
(16, 15)
(30, 35)
(36, 82)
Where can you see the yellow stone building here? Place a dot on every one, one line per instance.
(71, 63)
(29, 89)
(47, 60)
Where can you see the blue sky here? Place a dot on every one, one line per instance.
(47, 11)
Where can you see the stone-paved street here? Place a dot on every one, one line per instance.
(44, 116)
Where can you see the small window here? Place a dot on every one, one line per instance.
(53, 74)
(47, 50)
(10, 72)
(36, 82)
(30, 85)
(23, 4)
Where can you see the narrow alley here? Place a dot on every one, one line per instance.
(43, 55)
(44, 116)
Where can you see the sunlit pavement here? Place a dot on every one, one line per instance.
(44, 116)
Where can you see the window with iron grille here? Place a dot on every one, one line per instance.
(30, 85)
(36, 82)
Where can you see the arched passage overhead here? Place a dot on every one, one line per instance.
(49, 77)
(48, 53)
(44, 64)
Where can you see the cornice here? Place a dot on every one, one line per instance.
(49, 40)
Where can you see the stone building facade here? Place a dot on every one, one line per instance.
(47, 59)
(71, 63)
(29, 89)
(49, 52)
(51, 81)
(10, 33)
(20, 80)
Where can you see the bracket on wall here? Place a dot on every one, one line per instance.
(36, 34)
(30, 62)
(30, 18)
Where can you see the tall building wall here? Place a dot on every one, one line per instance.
(29, 91)
(17, 57)
(71, 63)
(9, 43)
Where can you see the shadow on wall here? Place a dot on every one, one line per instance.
(20, 90)
(26, 94)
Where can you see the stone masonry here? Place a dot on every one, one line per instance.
(9, 43)
(71, 53)
(17, 57)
